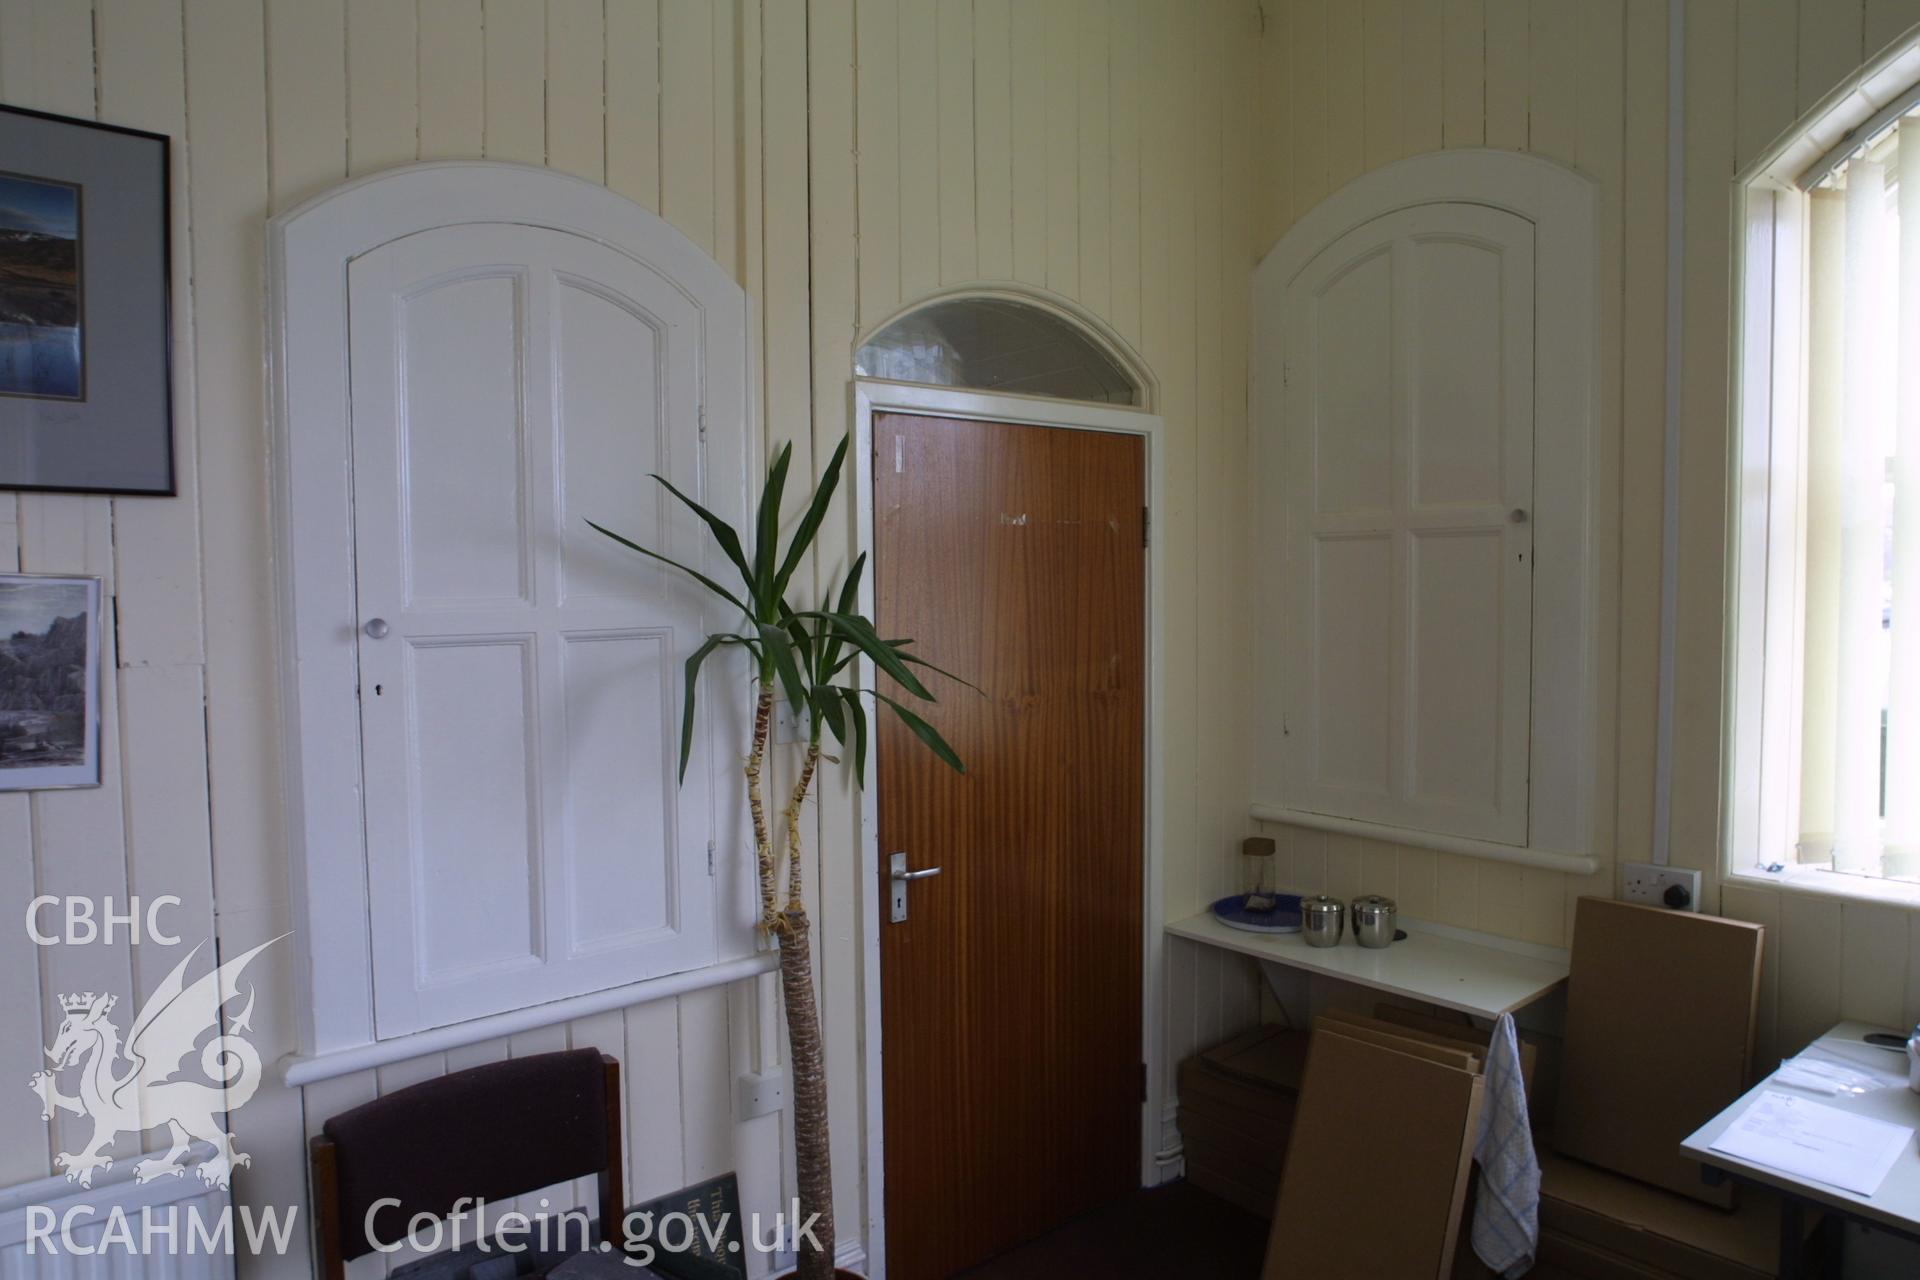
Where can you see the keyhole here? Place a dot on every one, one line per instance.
(378, 690)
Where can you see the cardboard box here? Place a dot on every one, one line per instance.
(1376, 1171)
(1460, 1033)
(1598, 1225)
(1659, 1036)
(1237, 1103)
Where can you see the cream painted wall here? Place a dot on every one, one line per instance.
(1348, 87)
(841, 158)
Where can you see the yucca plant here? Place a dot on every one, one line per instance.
(809, 654)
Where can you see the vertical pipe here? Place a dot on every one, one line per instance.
(1670, 474)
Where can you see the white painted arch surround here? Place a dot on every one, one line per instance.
(309, 248)
(1567, 690)
(872, 396)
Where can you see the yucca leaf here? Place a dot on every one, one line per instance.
(779, 652)
(723, 533)
(686, 712)
(825, 705)
(830, 656)
(925, 732)
(922, 662)
(695, 574)
(767, 531)
(857, 714)
(809, 525)
(868, 641)
(850, 589)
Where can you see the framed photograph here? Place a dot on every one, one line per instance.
(86, 396)
(49, 682)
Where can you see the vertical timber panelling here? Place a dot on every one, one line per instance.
(1111, 162)
(1407, 77)
(270, 102)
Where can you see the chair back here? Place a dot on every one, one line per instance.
(489, 1132)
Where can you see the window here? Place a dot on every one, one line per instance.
(1825, 749)
(995, 344)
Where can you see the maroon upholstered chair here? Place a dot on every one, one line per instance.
(489, 1132)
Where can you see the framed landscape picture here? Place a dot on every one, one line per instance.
(86, 398)
(49, 682)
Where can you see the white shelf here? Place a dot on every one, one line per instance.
(1474, 974)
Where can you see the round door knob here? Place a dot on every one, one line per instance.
(377, 628)
(1518, 515)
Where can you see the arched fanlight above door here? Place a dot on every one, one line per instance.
(997, 344)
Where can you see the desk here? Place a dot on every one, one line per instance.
(1894, 1207)
(1483, 979)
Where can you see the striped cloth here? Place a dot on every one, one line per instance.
(1506, 1218)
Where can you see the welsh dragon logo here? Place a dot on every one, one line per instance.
(131, 1088)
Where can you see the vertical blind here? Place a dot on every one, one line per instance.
(1860, 731)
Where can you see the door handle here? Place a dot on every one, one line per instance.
(898, 873)
(377, 629)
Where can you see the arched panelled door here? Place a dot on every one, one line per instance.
(1014, 555)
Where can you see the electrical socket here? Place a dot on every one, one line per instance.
(759, 1093)
(1647, 883)
(786, 723)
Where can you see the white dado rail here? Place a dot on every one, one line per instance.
(1575, 863)
(298, 1069)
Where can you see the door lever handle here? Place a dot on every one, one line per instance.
(922, 874)
(898, 873)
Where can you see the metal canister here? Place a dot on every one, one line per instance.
(1374, 920)
(1321, 918)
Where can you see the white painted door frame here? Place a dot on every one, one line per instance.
(870, 397)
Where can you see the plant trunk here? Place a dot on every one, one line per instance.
(762, 840)
(812, 1156)
(812, 1151)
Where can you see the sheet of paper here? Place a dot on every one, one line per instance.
(1816, 1141)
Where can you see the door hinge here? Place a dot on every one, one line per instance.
(1143, 1082)
(703, 423)
(1146, 526)
(709, 859)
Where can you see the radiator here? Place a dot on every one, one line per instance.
(82, 1252)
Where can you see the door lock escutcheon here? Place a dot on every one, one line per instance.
(900, 877)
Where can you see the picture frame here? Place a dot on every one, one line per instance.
(86, 280)
(49, 682)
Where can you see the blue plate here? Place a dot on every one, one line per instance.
(1282, 917)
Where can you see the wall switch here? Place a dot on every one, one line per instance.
(1673, 887)
(759, 1093)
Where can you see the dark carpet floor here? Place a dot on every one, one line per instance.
(1168, 1233)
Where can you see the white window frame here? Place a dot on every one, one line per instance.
(1766, 484)
(311, 448)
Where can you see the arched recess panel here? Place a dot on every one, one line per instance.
(1428, 446)
(483, 696)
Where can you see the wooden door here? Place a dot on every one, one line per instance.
(1013, 556)
(1409, 544)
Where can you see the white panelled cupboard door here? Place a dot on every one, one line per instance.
(1408, 561)
(520, 676)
